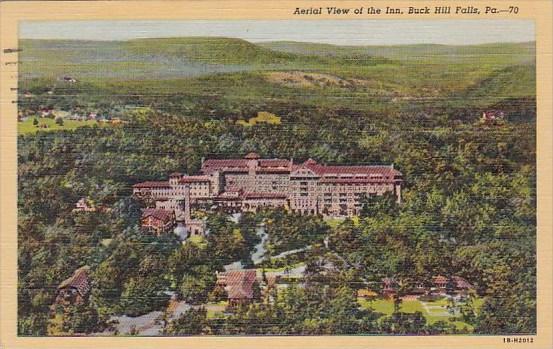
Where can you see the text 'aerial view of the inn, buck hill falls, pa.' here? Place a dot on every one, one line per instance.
(297, 178)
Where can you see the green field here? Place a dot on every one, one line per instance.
(216, 310)
(262, 117)
(198, 240)
(334, 222)
(433, 312)
(27, 127)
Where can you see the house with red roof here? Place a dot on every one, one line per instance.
(492, 115)
(158, 221)
(238, 285)
(75, 289)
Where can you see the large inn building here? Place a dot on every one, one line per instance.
(251, 183)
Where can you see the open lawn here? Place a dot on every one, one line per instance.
(216, 310)
(198, 241)
(262, 117)
(282, 269)
(433, 311)
(27, 127)
(334, 222)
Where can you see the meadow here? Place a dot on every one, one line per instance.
(48, 125)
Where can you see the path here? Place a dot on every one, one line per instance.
(259, 250)
(435, 310)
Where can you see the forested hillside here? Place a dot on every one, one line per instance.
(469, 203)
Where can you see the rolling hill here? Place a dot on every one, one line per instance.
(239, 71)
(502, 52)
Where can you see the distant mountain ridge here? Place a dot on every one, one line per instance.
(400, 51)
(169, 57)
(201, 65)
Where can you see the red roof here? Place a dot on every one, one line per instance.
(238, 283)
(274, 163)
(218, 164)
(461, 283)
(389, 283)
(79, 281)
(494, 113)
(386, 173)
(439, 279)
(192, 179)
(157, 213)
(152, 184)
(252, 155)
(211, 165)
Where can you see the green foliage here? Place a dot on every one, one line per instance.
(380, 204)
(403, 323)
(32, 126)
(289, 231)
(79, 319)
(192, 322)
(142, 295)
(226, 240)
(33, 325)
(196, 286)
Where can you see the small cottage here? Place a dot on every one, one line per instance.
(238, 284)
(74, 290)
(158, 221)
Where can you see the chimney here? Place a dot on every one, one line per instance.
(187, 204)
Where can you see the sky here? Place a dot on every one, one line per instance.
(339, 32)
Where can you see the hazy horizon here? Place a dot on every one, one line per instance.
(290, 41)
(334, 32)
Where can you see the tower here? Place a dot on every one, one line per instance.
(187, 215)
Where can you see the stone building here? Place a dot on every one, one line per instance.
(252, 183)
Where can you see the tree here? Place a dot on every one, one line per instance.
(196, 286)
(142, 295)
(385, 204)
(192, 322)
(82, 318)
(404, 323)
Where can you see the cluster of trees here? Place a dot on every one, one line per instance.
(288, 231)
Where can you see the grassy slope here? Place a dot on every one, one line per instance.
(514, 52)
(161, 58)
(27, 127)
(233, 69)
(386, 307)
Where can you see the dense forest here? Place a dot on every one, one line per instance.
(469, 200)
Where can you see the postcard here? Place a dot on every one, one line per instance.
(294, 174)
